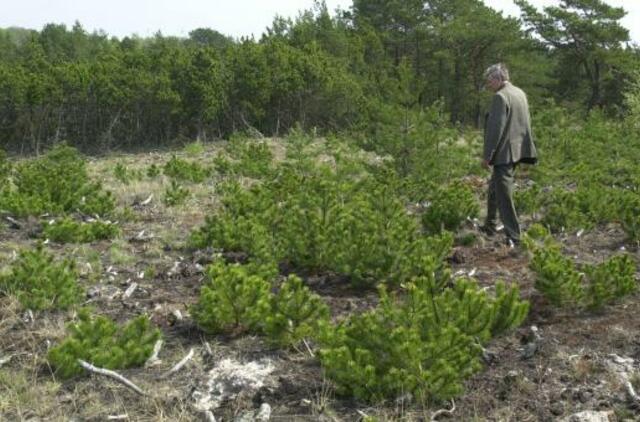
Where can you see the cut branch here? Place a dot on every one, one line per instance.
(111, 374)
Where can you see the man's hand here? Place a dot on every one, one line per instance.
(485, 164)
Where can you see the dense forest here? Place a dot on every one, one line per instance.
(376, 65)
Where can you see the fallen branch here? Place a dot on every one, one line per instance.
(153, 359)
(208, 416)
(631, 392)
(443, 412)
(111, 374)
(180, 364)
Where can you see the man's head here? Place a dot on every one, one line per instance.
(496, 75)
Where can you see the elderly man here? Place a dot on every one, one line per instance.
(507, 142)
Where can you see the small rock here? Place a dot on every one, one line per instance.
(264, 413)
(590, 416)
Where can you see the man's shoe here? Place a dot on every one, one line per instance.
(488, 230)
(512, 243)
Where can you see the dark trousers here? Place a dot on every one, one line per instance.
(500, 198)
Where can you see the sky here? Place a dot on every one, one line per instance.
(177, 17)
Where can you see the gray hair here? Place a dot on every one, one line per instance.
(497, 72)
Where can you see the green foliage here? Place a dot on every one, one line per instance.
(565, 284)
(253, 158)
(194, 149)
(184, 170)
(67, 230)
(5, 169)
(153, 171)
(235, 297)
(315, 218)
(611, 280)
(121, 173)
(295, 313)
(629, 215)
(175, 194)
(103, 343)
(425, 344)
(57, 183)
(449, 207)
(40, 283)
(556, 277)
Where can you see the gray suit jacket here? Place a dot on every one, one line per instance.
(507, 134)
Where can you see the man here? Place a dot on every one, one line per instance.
(507, 142)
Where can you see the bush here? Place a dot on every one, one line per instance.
(425, 344)
(591, 286)
(67, 230)
(609, 281)
(556, 277)
(315, 220)
(56, 183)
(449, 208)
(153, 171)
(40, 283)
(183, 170)
(101, 342)
(175, 194)
(295, 313)
(234, 298)
(253, 158)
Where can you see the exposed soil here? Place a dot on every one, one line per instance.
(570, 369)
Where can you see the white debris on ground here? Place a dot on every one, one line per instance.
(230, 377)
(591, 416)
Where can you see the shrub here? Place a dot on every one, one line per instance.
(5, 169)
(314, 220)
(629, 214)
(175, 194)
(99, 341)
(253, 158)
(55, 183)
(592, 286)
(40, 283)
(121, 173)
(67, 230)
(183, 170)
(295, 313)
(235, 297)
(153, 171)
(449, 208)
(425, 344)
(556, 277)
(611, 280)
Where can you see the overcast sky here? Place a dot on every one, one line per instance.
(178, 17)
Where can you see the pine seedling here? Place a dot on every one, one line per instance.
(556, 277)
(67, 230)
(101, 342)
(175, 194)
(613, 279)
(40, 283)
(295, 313)
(235, 297)
(509, 311)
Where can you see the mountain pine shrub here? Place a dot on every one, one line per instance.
(153, 171)
(235, 297)
(426, 343)
(557, 277)
(295, 313)
(312, 219)
(187, 171)
(449, 207)
(253, 158)
(629, 214)
(40, 283)
(67, 230)
(610, 280)
(565, 284)
(56, 183)
(175, 194)
(103, 343)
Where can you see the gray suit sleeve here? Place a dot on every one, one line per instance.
(495, 126)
